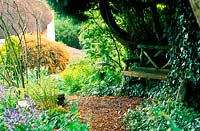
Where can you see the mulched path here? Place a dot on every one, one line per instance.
(106, 112)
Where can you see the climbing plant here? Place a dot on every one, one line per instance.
(184, 39)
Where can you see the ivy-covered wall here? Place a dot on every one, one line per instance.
(184, 39)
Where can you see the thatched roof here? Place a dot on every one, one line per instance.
(18, 14)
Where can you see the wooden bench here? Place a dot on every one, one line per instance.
(148, 69)
(149, 73)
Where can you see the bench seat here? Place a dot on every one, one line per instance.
(149, 73)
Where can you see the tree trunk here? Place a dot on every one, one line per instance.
(122, 36)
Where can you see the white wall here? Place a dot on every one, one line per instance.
(51, 31)
(1, 42)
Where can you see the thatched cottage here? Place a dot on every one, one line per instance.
(26, 15)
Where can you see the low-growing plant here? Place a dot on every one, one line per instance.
(134, 90)
(43, 92)
(76, 76)
(104, 81)
(62, 120)
(155, 115)
(17, 118)
(88, 79)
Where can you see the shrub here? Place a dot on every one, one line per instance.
(67, 31)
(104, 82)
(77, 76)
(87, 79)
(154, 115)
(11, 66)
(106, 52)
(52, 55)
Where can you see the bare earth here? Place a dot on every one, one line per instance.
(106, 113)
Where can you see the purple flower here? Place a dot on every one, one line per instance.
(11, 117)
(21, 115)
(27, 98)
(2, 92)
(31, 108)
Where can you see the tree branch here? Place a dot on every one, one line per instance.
(121, 35)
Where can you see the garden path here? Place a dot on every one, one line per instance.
(75, 53)
(105, 113)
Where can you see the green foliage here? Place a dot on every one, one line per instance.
(136, 90)
(11, 64)
(158, 115)
(43, 92)
(184, 39)
(76, 76)
(100, 43)
(103, 83)
(65, 121)
(105, 52)
(185, 45)
(16, 118)
(10, 48)
(67, 30)
(85, 78)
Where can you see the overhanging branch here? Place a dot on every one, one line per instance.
(121, 35)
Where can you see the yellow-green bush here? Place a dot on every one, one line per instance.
(77, 76)
(9, 48)
(52, 55)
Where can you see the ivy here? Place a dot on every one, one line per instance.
(185, 46)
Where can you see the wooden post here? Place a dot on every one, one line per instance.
(182, 91)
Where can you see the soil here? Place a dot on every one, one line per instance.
(104, 113)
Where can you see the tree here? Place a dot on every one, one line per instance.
(145, 19)
(157, 22)
(139, 16)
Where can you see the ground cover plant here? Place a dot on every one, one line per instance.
(15, 117)
(85, 78)
(167, 23)
(160, 115)
(161, 110)
(27, 100)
